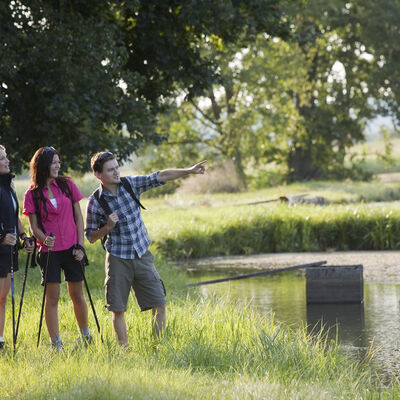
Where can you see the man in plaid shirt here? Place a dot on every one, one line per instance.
(115, 212)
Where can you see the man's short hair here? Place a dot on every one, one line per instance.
(99, 159)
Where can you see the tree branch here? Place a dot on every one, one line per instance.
(215, 107)
(228, 96)
(208, 126)
(190, 141)
(203, 113)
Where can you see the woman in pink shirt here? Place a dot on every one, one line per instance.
(52, 204)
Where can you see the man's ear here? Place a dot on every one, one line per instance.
(97, 175)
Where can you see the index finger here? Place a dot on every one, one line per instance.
(202, 162)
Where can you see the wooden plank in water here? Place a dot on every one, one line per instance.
(268, 272)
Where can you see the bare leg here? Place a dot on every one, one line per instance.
(51, 309)
(5, 285)
(159, 320)
(75, 290)
(120, 328)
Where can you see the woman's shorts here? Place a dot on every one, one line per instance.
(58, 260)
(5, 264)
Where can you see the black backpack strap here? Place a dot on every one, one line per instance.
(101, 200)
(127, 186)
(106, 208)
(36, 197)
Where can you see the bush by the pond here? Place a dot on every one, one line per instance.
(206, 232)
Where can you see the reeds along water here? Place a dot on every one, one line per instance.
(205, 231)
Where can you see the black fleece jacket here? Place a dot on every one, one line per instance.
(8, 216)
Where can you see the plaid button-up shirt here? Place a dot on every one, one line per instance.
(129, 234)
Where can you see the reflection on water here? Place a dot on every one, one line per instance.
(356, 326)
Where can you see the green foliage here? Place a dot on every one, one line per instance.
(276, 228)
(59, 86)
(301, 102)
(86, 77)
(387, 155)
(210, 346)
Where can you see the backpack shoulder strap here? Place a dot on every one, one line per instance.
(101, 200)
(63, 185)
(127, 186)
(36, 197)
(104, 205)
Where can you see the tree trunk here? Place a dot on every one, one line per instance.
(300, 164)
(237, 160)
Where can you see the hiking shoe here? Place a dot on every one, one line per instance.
(84, 340)
(57, 346)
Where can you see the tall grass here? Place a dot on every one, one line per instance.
(206, 231)
(211, 349)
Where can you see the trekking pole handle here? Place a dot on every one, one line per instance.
(77, 246)
(12, 232)
(51, 236)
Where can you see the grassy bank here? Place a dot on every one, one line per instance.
(205, 231)
(211, 349)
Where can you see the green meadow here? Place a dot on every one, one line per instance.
(213, 348)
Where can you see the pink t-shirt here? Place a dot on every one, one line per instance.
(60, 221)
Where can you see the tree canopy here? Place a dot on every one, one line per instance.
(86, 76)
(299, 102)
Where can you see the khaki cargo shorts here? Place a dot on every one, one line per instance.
(141, 275)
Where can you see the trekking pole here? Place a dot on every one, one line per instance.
(44, 294)
(12, 290)
(28, 261)
(88, 291)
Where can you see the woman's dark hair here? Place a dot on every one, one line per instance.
(40, 166)
(40, 172)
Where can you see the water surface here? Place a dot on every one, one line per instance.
(356, 326)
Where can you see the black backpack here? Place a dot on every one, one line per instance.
(104, 205)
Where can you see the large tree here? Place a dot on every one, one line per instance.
(380, 32)
(300, 102)
(85, 76)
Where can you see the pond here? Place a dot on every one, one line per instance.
(374, 322)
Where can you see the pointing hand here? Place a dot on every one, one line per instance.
(199, 168)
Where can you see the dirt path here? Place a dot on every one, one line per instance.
(382, 266)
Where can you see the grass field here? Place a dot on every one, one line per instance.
(373, 154)
(212, 349)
